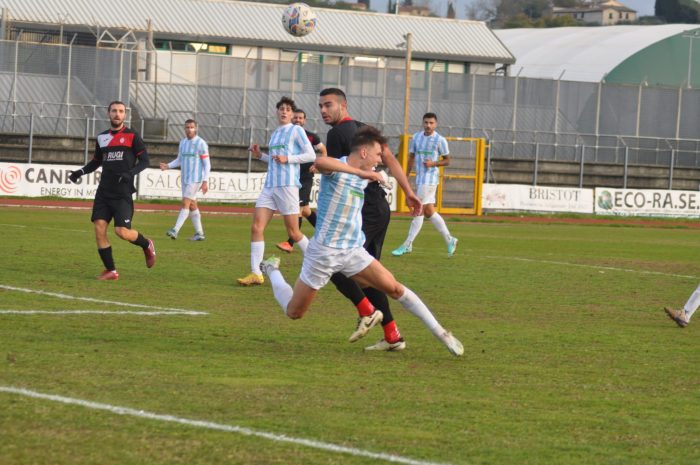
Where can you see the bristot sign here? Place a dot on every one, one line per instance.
(536, 198)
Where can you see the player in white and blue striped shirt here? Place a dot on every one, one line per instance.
(429, 151)
(337, 242)
(289, 147)
(194, 163)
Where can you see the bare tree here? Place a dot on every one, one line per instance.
(482, 10)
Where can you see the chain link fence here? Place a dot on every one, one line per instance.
(65, 90)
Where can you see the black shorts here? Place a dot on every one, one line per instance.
(120, 208)
(305, 191)
(375, 223)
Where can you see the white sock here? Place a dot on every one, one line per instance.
(692, 304)
(414, 305)
(440, 225)
(181, 219)
(303, 244)
(197, 221)
(257, 251)
(413, 231)
(281, 290)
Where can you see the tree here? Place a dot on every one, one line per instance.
(451, 13)
(521, 20)
(559, 21)
(482, 10)
(677, 11)
(569, 3)
(508, 11)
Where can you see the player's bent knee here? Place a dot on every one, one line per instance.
(395, 291)
(257, 229)
(123, 233)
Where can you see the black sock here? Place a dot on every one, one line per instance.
(107, 260)
(349, 288)
(312, 219)
(289, 239)
(380, 301)
(141, 241)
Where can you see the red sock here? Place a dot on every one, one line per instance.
(391, 333)
(365, 307)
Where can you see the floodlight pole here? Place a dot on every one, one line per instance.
(407, 90)
(691, 36)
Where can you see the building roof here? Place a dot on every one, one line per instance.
(247, 23)
(580, 53)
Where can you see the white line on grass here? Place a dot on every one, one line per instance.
(95, 312)
(46, 228)
(110, 302)
(597, 267)
(326, 446)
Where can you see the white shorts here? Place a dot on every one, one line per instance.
(426, 193)
(189, 191)
(283, 199)
(320, 262)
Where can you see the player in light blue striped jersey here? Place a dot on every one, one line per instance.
(194, 163)
(337, 243)
(289, 147)
(428, 151)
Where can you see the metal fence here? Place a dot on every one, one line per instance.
(66, 88)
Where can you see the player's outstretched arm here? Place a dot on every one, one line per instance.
(89, 168)
(327, 165)
(412, 200)
(257, 153)
(173, 164)
(306, 156)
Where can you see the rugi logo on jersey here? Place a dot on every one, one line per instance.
(10, 178)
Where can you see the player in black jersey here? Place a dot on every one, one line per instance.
(306, 178)
(375, 221)
(122, 154)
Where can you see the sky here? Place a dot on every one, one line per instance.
(643, 7)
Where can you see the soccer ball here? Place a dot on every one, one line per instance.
(299, 19)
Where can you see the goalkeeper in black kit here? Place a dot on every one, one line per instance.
(122, 154)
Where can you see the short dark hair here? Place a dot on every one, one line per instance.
(333, 91)
(367, 135)
(299, 110)
(115, 102)
(430, 115)
(188, 121)
(286, 101)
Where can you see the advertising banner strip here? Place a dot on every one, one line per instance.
(35, 180)
(516, 197)
(647, 202)
(40, 180)
(224, 187)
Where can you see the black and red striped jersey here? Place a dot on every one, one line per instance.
(119, 152)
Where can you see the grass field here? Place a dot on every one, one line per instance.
(568, 356)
